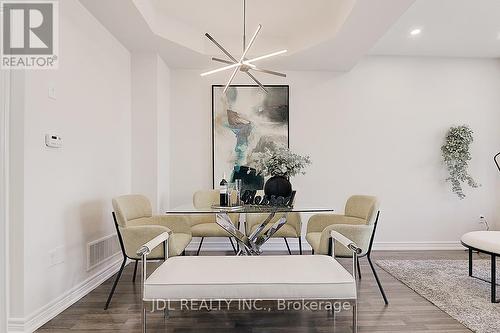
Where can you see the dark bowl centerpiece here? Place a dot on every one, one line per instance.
(279, 164)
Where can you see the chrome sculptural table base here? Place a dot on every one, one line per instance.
(251, 245)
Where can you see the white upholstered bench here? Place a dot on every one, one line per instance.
(308, 278)
(486, 242)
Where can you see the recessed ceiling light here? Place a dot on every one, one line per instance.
(415, 32)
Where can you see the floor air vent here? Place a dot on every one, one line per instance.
(101, 250)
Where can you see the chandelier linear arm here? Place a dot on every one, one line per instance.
(268, 71)
(231, 79)
(220, 47)
(237, 65)
(223, 61)
(257, 81)
(251, 43)
(266, 56)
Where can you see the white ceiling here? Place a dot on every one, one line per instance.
(290, 24)
(330, 35)
(450, 28)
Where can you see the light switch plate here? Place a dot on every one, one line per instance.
(52, 92)
(56, 256)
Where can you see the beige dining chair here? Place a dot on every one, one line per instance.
(358, 223)
(135, 225)
(204, 225)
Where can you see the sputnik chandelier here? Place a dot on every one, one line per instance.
(243, 64)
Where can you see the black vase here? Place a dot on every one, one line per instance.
(278, 186)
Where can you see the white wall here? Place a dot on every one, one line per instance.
(66, 193)
(144, 126)
(4, 119)
(150, 128)
(164, 129)
(375, 130)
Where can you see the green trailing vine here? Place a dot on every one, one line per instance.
(456, 155)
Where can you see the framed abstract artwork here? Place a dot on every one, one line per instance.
(246, 120)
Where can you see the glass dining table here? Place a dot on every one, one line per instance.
(249, 244)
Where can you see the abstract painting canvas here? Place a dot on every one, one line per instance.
(246, 120)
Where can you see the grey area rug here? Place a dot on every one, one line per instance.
(446, 284)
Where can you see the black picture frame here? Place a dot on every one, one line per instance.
(213, 116)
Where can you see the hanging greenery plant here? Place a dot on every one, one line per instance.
(456, 155)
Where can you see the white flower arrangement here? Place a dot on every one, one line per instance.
(279, 161)
(456, 155)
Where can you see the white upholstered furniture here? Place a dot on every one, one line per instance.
(486, 242)
(135, 224)
(358, 223)
(229, 278)
(204, 225)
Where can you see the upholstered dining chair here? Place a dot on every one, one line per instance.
(292, 228)
(135, 225)
(358, 223)
(204, 225)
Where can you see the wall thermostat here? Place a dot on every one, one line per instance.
(53, 141)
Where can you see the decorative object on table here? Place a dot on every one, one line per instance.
(250, 197)
(456, 155)
(238, 188)
(249, 178)
(280, 164)
(245, 122)
(243, 64)
(223, 192)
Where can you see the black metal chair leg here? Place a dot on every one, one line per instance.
(312, 251)
(359, 268)
(470, 262)
(377, 279)
(199, 247)
(232, 244)
(287, 246)
(135, 270)
(115, 283)
(493, 278)
(300, 245)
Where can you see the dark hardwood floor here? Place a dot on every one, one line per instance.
(407, 311)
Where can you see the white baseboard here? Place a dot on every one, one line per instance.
(279, 245)
(417, 246)
(52, 309)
